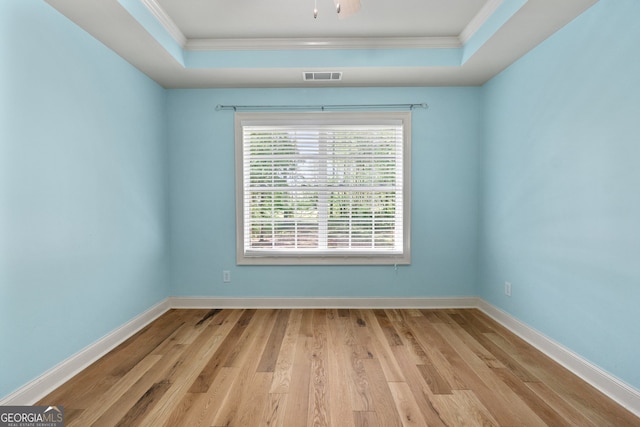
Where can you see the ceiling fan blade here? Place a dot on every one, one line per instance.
(346, 8)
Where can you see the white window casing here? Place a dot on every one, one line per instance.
(323, 188)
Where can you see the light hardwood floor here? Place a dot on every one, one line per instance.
(333, 367)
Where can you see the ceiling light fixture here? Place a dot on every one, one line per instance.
(344, 8)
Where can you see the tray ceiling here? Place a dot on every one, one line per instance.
(258, 43)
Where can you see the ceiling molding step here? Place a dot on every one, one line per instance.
(144, 33)
(165, 20)
(478, 21)
(324, 43)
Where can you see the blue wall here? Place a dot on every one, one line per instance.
(444, 198)
(560, 214)
(82, 191)
(540, 163)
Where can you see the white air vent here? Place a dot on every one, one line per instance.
(321, 76)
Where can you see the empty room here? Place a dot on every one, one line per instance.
(320, 212)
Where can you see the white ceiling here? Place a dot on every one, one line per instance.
(260, 43)
(294, 18)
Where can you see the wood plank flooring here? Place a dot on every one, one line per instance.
(330, 367)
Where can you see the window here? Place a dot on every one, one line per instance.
(323, 188)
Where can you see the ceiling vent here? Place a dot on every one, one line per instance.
(321, 76)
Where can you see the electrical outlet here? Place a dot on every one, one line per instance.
(226, 276)
(507, 289)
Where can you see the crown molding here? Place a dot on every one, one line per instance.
(478, 20)
(323, 43)
(297, 43)
(451, 42)
(165, 20)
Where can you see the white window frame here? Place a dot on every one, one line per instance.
(276, 257)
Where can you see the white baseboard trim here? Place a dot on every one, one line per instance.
(611, 386)
(312, 302)
(65, 370)
(608, 384)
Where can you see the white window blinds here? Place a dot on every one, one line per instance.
(325, 187)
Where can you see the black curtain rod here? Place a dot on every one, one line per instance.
(324, 107)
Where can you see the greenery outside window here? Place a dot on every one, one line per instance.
(323, 188)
